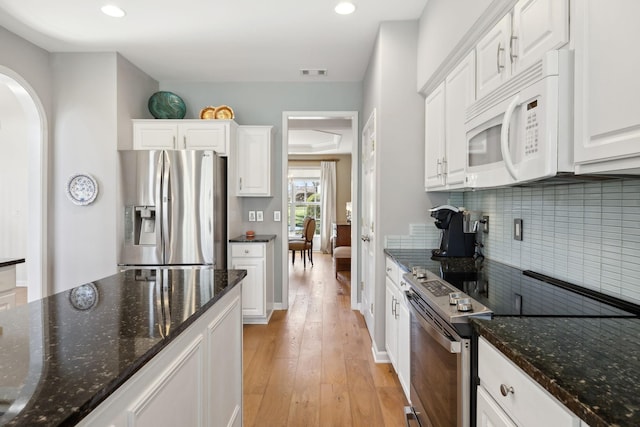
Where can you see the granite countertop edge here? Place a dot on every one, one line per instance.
(258, 238)
(112, 387)
(571, 401)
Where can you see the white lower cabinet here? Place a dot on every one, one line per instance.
(257, 291)
(397, 324)
(507, 396)
(195, 381)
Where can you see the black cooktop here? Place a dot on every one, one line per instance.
(509, 291)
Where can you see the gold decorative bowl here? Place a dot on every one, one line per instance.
(208, 113)
(224, 112)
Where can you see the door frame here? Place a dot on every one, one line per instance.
(355, 198)
(37, 154)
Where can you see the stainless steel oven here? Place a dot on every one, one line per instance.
(440, 370)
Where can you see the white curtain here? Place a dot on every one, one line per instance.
(328, 203)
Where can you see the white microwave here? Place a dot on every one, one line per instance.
(522, 131)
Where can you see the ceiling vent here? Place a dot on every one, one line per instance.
(314, 72)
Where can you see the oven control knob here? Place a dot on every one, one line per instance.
(505, 389)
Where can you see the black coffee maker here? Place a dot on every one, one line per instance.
(454, 242)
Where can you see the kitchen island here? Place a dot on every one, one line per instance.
(117, 350)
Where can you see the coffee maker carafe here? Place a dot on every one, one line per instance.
(456, 239)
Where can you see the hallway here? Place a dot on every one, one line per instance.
(312, 365)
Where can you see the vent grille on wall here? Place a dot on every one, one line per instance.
(313, 72)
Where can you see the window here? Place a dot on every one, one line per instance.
(303, 198)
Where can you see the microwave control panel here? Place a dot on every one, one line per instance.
(531, 129)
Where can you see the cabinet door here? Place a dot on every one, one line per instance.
(404, 341)
(7, 300)
(538, 26)
(155, 136)
(254, 161)
(607, 111)
(180, 386)
(459, 94)
(391, 324)
(225, 368)
(492, 54)
(434, 135)
(253, 303)
(206, 135)
(489, 414)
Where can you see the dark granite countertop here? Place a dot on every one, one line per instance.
(591, 365)
(6, 262)
(258, 238)
(61, 356)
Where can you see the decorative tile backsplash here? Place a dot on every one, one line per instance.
(584, 233)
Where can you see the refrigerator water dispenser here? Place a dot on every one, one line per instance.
(140, 225)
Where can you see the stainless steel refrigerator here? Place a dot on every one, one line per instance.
(174, 205)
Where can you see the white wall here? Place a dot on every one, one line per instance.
(263, 104)
(390, 87)
(442, 25)
(95, 97)
(14, 180)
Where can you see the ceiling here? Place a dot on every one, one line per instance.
(212, 40)
(320, 136)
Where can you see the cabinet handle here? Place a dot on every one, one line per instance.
(393, 306)
(506, 389)
(246, 251)
(184, 139)
(389, 268)
(500, 49)
(174, 140)
(512, 55)
(438, 167)
(397, 314)
(241, 183)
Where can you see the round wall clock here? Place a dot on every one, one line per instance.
(84, 296)
(82, 189)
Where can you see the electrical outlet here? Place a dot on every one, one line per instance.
(517, 229)
(252, 216)
(276, 216)
(260, 216)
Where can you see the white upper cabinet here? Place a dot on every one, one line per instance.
(492, 55)
(434, 140)
(255, 145)
(155, 135)
(459, 94)
(445, 138)
(184, 134)
(519, 40)
(607, 111)
(538, 26)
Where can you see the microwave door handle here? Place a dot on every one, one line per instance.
(504, 137)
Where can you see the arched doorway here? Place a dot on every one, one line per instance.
(31, 120)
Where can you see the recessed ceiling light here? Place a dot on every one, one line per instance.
(113, 11)
(345, 8)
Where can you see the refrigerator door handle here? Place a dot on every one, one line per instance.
(166, 205)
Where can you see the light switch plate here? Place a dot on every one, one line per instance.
(252, 216)
(259, 216)
(276, 216)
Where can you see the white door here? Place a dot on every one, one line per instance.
(434, 139)
(155, 135)
(538, 26)
(367, 233)
(492, 54)
(459, 94)
(253, 297)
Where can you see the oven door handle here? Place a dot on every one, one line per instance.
(438, 336)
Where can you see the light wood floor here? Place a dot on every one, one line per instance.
(312, 365)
